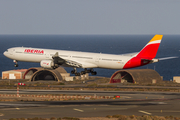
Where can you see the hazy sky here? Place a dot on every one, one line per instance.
(89, 16)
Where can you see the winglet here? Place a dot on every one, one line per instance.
(151, 48)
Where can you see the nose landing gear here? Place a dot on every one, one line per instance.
(16, 63)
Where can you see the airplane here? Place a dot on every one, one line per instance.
(51, 59)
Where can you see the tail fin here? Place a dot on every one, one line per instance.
(151, 48)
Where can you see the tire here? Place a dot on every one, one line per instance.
(93, 73)
(16, 65)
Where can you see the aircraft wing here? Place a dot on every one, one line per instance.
(80, 64)
(72, 63)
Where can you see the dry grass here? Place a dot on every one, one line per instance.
(108, 117)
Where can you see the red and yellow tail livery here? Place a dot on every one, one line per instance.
(146, 55)
(150, 50)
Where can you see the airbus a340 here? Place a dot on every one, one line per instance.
(49, 58)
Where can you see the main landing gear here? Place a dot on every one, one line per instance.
(16, 64)
(83, 72)
(75, 72)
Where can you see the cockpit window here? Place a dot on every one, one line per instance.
(9, 50)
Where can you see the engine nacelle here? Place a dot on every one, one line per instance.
(47, 64)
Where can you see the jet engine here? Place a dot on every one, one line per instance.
(54, 63)
(47, 64)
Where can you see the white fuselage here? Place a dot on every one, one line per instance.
(86, 59)
(49, 58)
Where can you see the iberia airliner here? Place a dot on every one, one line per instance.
(49, 58)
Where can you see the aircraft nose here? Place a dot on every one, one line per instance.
(5, 53)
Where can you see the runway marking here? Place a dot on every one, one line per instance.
(12, 108)
(125, 96)
(168, 111)
(161, 103)
(78, 110)
(144, 112)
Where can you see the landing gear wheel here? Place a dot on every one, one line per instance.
(83, 72)
(77, 74)
(16, 65)
(93, 73)
(73, 72)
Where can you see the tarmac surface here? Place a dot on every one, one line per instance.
(129, 103)
(95, 108)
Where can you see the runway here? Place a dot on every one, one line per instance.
(88, 108)
(130, 103)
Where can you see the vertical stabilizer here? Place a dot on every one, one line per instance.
(146, 55)
(151, 48)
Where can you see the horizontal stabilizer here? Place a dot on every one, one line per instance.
(166, 58)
